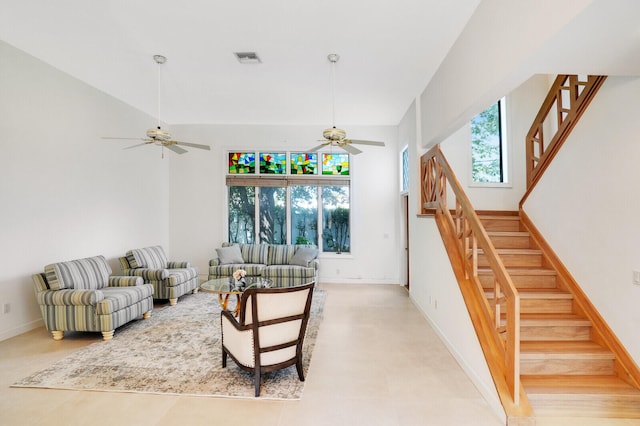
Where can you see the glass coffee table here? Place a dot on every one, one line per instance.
(226, 287)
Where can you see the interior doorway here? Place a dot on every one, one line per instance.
(405, 216)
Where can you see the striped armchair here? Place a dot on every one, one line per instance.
(81, 295)
(170, 279)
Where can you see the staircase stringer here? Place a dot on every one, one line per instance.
(626, 367)
(518, 414)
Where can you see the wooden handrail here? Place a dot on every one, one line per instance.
(471, 237)
(565, 103)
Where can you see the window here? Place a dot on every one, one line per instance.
(305, 203)
(404, 167)
(488, 145)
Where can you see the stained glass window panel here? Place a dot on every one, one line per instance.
(242, 162)
(335, 164)
(304, 163)
(273, 163)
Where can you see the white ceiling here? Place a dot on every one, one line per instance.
(389, 50)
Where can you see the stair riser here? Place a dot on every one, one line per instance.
(510, 242)
(514, 260)
(508, 225)
(545, 306)
(522, 281)
(568, 332)
(567, 366)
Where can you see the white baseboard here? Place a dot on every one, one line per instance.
(489, 395)
(23, 328)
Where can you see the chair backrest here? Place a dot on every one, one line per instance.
(147, 257)
(87, 274)
(278, 318)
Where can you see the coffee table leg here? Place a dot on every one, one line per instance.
(224, 301)
(237, 310)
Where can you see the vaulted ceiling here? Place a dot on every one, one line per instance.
(388, 51)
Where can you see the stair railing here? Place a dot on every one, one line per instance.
(471, 239)
(565, 103)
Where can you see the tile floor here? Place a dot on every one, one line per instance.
(376, 362)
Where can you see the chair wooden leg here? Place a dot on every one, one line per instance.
(224, 358)
(299, 369)
(256, 380)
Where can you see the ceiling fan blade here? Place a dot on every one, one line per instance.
(193, 145)
(176, 149)
(352, 149)
(137, 145)
(316, 148)
(360, 142)
(126, 139)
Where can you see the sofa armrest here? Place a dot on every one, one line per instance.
(214, 262)
(149, 274)
(119, 281)
(178, 265)
(315, 264)
(70, 297)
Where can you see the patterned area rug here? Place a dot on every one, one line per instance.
(176, 351)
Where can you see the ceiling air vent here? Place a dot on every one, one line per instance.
(247, 57)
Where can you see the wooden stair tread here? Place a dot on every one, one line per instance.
(521, 271)
(508, 233)
(539, 293)
(521, 251)
(578, 350)
(550, 386)
(500, 217)
(552, 319)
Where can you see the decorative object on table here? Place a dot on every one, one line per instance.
(175, 352)
(239, 275)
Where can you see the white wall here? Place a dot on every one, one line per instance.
(65, 192)
(497, 51)
(586, 206)
(198, 214)
(433, 286)
(522, 106)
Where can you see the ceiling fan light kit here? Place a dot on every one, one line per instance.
(334, 136)
(158, 136)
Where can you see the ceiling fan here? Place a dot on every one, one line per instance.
(158, 136)
(334, 136)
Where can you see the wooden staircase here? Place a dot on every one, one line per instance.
(567, 369)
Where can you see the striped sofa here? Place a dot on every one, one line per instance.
(81, 295)
(170, 279)
(280, 263)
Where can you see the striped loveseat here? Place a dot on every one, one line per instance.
(283, 264)
(81, 295)
(170, 279)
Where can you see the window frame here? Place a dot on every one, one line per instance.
(505, 151)
(287, 180)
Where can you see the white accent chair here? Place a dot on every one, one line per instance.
(270, 331)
